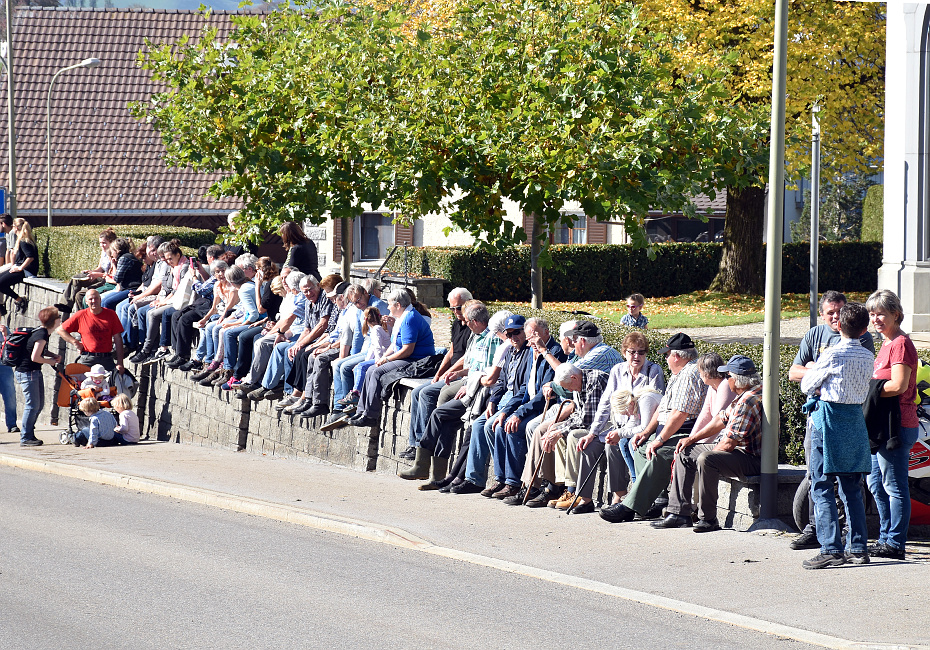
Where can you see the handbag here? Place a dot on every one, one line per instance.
(184, 293)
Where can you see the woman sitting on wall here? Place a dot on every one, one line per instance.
(128, 275)
(25, 263)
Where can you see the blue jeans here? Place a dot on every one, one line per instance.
(126, 319)
(510, 453)
(359, 371)
(274, 373)
(231, 345)
(422, 403)
(141, 321)
(476, 468)
(8, 393)
(624, 444)
(827, 524)
(342, 375)
(34, 397)
(888, 485)
(165, 339)
(205, 340)
(111, 299)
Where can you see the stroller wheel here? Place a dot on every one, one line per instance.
(65, 438)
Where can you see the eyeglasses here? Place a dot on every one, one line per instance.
(512, 333)
(459, 308)
(636, 353)
(307, 290)
(632, 306)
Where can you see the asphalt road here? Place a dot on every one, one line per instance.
(89, 566)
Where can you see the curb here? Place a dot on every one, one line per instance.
(401, 538)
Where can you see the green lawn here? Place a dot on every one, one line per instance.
(698, 309)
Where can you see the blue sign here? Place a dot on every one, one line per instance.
(3, 198)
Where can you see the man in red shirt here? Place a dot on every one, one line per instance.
(100, 332)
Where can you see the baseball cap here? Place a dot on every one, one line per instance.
(338, 290)
(738, 365)
(584, 328)
(680, 341)
(515, 322)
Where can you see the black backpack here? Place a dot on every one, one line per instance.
(13, 348)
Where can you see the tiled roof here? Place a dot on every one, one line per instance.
(102, 158)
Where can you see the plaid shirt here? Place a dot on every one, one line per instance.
(322, 308)
(480, 352)
(685, 393)
(586, 401)
(601, 357)
(842, 373)
(743, 419)
(640, 321)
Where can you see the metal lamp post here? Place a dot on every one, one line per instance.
(86, 63)
(815, 210)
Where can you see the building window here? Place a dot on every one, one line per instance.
(577, 233)
(375, 235)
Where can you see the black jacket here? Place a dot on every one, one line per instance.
(882, 417)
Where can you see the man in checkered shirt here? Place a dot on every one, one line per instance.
(672, 421)
(734, 451)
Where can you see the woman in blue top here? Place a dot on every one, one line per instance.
(412, 339)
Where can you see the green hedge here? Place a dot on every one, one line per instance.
(873, 214)
(611, 272)
(791, 443)
(66, 250)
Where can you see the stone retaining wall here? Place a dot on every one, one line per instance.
(171, 407)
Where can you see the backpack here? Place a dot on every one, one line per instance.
(13, 348)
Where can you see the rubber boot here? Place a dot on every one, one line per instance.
(420, 469)
(437, 474)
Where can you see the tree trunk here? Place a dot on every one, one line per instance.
(741, 263)
(536, 284)
(346, 248)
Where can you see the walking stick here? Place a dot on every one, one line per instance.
(585, 481)
(542, 456)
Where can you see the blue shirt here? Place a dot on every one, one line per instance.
(413, 328)
(640, 321)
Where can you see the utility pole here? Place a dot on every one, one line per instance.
(815, 210)
(10, 107)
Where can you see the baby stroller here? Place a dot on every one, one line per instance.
(70, 395)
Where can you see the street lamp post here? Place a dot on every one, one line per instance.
(86, 63)
(815, 211)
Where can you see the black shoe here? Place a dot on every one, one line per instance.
(139, 357)
(673, 521)
(857, 558)
(447, 489)
(543, 497)
(807, 539)
(822, 560)
(466, 487)
(274, 394)
(408, 453)
(314, 412)
(655, 512)
(14, 430)
(703, 526)
(193, 364)
(886, 551)
(365, 422)
(176, 362)
(31, 442)
(582, 508)
(517, 499)
(256, 395)
(617, 513)
(22, 304)
(337, 421)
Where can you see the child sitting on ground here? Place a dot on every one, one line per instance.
(837, 385)
(102, 428)
(127, 432)
(634, 316)
(96, 381)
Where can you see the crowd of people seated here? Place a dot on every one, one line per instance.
(540, 408)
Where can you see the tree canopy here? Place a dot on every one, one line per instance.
(313, 112)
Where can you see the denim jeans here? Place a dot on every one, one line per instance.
(231, 345)
(888, 484)
(359, 371)
(165, 338)
(111, 299)
(141, 321)
(342, 375)
(829, 531)
(8, 393)
(34, 396)
(476, 470)
(624, 444)
(274, 373)
(510, 453)
(205, 341)
(126, 319)
(422, 403)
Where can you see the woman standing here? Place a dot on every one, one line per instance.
(897, 364)
(28, 374)
(25, 262)
(301, 251)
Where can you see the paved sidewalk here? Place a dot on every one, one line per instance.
(749, 574)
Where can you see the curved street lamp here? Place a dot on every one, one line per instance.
(86, 63)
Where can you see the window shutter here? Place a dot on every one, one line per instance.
(597, 232)
(528, 226)
(403, 234)
(337, 240)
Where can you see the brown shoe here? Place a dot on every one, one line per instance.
(565, 501)
(507, 491)
(554, 502)
(222, 378)
(489, 492)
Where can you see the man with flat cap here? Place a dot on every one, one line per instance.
(734, 451)
(671, 422)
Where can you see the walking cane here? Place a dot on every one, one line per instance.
(585, 481)
(526, 496)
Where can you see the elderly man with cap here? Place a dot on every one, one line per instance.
(514, 376)
(671, 422)
(734, 451)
